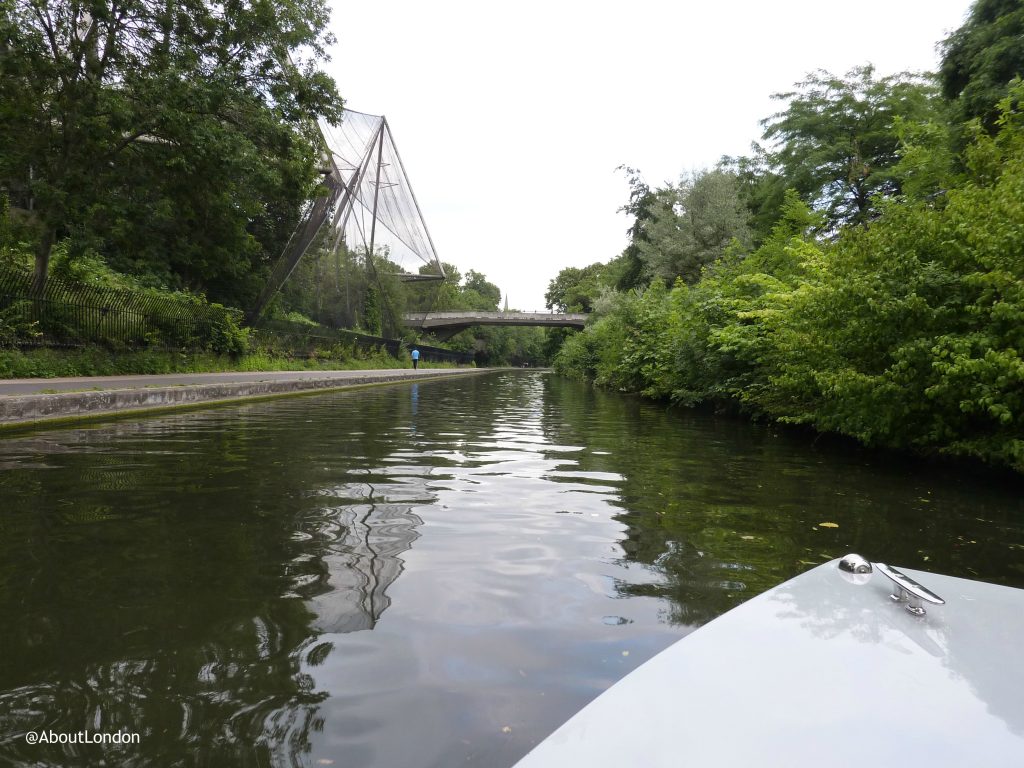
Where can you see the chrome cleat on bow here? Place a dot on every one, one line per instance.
(905, 590)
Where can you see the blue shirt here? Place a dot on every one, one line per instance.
(415, 354)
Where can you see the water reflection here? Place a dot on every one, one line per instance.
(425, 575)
(721, 509)
(172, 578)
(357, 571)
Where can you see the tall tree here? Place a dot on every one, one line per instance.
(479, 292)
(177, 129)
(981, 58)
(761, 187)
(691, 226)
(575, 289)
(837, 141)
(628, 268)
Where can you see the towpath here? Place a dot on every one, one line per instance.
(32, 401)
(81, 383)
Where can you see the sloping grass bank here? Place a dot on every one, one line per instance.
(98, 361)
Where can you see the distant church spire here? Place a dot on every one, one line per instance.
(506, 303)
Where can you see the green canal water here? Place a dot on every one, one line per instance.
(418, 575)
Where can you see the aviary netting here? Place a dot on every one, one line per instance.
(368, 213)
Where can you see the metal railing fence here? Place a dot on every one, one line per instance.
(73, 314)
(68, 314)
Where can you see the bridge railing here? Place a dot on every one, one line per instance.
(491, 316)
(492, 313)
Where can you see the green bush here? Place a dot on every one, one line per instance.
(911, 332)
(15, 327)
(907, 333)
(226, 334)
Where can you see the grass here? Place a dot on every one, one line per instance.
(99, 361)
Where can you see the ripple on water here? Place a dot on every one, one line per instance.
(376, 579)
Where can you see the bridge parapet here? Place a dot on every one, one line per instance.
(466, 318)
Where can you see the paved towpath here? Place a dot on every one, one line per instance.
(34, 401)
(82, 383)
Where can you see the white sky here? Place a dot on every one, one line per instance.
(511, 118)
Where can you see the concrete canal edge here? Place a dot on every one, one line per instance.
(25, 411)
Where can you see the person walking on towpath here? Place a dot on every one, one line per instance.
(415, 359)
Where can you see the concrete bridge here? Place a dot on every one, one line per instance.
(450, 323)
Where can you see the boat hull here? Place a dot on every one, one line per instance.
(820, 671)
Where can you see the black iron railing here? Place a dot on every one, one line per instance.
(64, 313)
(67, 314)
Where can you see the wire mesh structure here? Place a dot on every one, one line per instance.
(384, 210)
(369, 209)
(71, 314)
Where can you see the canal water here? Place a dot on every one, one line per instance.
(434, 574)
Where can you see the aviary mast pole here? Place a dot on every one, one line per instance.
(376, 190)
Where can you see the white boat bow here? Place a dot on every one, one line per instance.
(832, 668)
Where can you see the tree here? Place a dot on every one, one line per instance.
(435, 295)
(575, 289)
(907, 333)
(373, 312)
(480, 293)
(837, 142)
(981, 58)
(172, 137)
(761, 188)
(627, 270)
(691, 226)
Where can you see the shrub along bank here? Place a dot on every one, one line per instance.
(905, 333)
(92, 321)
(97, 361)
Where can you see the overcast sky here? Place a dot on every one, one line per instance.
(511, 119)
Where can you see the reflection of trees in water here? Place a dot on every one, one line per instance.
(241, 700)
(720, 509)
(180, 585)
(171, 577)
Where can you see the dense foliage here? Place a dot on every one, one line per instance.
(173, 139)
(981, 57)
(155, 147)
(99, 361)
(838, 138)
(690, 226)
(895, 316)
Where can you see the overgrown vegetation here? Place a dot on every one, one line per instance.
(172, 139)
(880, 297)
(97, 361)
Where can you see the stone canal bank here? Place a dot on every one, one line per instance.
(33, 401)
